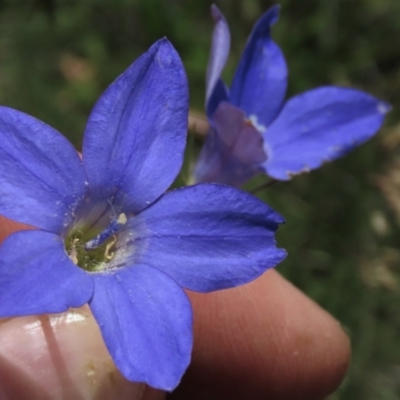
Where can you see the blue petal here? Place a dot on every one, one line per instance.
(219, 94)
(206, 237)
(146, 322)
(135, 138)
(37, 276)
(41, 175)
(220, 44)
(319, 126)
(260, 82)
(233, 150)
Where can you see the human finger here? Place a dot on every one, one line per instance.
(61, 356)
(264, 340)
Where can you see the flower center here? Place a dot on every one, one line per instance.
(90, 250)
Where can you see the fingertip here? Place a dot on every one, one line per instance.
(7, 227)
(264, 340)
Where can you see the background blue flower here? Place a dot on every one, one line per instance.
(252, 130)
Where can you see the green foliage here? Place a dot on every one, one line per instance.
(57, 56)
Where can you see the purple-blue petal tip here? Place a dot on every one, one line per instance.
(269, 18)
(274, 13)
(384, 108)
(219, 52)
(216, 13)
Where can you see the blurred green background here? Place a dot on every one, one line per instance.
(343, 220)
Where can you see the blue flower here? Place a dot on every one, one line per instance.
(107, 234)
(252, 130)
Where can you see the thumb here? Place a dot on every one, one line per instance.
(61, 356)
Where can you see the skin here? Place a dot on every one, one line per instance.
(264, 340)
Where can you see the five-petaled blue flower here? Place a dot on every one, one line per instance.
(252, 131)
(106, 232)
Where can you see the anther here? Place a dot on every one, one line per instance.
(107, 254)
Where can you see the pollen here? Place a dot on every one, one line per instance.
(122, 219)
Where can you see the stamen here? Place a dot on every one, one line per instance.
(73, 254)
(107, 253)
(113, 228)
